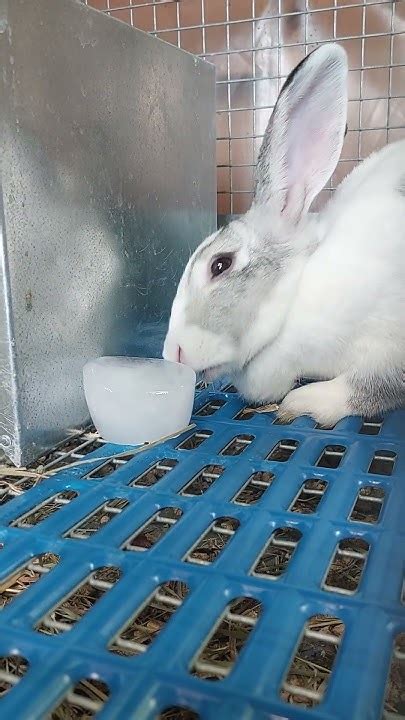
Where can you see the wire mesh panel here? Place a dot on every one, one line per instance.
(254, 44)
(242, 570)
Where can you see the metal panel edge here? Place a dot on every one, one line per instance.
(10, 435)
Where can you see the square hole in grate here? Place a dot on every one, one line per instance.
(318, 426)
(11, 487)
(84, 446)
(96, 520)
(283, 451)
(90, 446)
(149, 620)
(27, 575)
(153, 530)
(211, 544)
(195, 440)
(108, 467)
(331, 456)
(155, 473)
(238, 445)
(309, 496)
(210, 408)
(177, 712)
(383, 462)
(78, 602)
(394, 703)
(74, 449)
(347, 566)
(12, 669)
(222, 648)
(201, 482)
(254, 489)
(85, 700)
(229, 389)
(368, 505)
(371, 427)
(72, 444)
(277, 553)
(245, 414)
(60, 459)
(44, 509)
(311, 668)
(279, 421)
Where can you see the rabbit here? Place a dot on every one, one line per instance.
(281, 293)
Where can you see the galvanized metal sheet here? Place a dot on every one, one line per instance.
(108, 183)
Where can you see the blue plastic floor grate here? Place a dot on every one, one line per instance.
(244, 570)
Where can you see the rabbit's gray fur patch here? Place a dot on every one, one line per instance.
(401, 187)
(253, 279)
(373, 395)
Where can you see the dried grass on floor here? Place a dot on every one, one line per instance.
(16, 481)
(80, 601)
(147, 624)
(176, 713)
(13, 586)
(312, 667)
(88, 690)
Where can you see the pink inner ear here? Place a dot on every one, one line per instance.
(296, 202)
(306, 134)
(312, 157)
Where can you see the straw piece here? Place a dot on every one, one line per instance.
(23, 472)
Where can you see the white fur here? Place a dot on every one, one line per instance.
(337, 307)
(324, 401)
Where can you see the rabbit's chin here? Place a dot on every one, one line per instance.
(214, 372)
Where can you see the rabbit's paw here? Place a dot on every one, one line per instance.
(325, 402)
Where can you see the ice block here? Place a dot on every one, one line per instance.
(138, 400)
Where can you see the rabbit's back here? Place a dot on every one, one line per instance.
(352, 289)
(379, 175)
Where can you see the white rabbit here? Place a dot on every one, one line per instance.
(281, 294)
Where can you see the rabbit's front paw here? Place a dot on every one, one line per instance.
(325, 402)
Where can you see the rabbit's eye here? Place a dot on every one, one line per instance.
(220, 264)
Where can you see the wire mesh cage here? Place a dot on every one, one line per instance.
(245, 569)
(254, 44)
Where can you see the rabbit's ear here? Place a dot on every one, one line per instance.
(304, 137)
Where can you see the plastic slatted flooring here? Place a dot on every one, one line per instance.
(313, 546)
